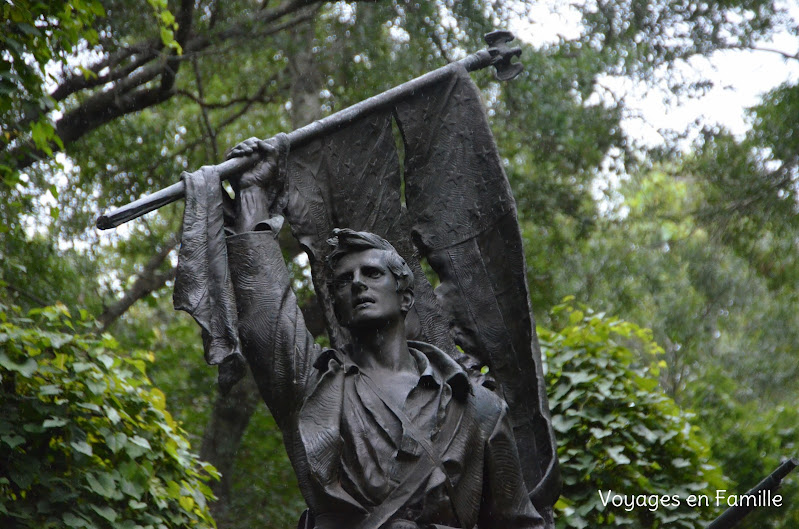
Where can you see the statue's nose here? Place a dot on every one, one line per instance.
(358, 284)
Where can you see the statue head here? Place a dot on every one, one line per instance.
(371, 283)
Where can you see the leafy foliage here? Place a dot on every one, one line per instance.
(637, 36)
(728, 327)
(616, 430)
(264, 491)
(35, 34)
(272, 487)
(36, 39)
(750, 190)
(749, 442)
(87, 439)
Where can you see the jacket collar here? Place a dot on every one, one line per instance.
(435, 366)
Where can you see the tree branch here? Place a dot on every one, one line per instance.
(740, 206)
(783, 54)
(132, 93)
(24, 293)
(149, 280)
(206, 121)
(440, 45)
(248, 102)
(144, 52)
(219, 104)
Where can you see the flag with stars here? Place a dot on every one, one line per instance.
(425, 174)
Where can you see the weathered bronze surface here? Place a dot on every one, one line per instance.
(429, 409)
(498, 55)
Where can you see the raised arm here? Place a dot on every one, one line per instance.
(274, 339)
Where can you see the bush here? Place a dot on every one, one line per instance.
(616, 429)
(85, 438)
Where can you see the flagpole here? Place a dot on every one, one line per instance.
(498, 55)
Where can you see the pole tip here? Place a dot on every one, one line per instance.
(501, 55)
(104, 223)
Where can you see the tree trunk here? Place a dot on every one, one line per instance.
(222, 437)
(149, 280)
(232, 412)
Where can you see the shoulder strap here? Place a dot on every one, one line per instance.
(402, 493)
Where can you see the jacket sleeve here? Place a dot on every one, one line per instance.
(274, 339)
(505, 504)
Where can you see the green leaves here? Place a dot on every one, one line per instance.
(615, 429)
(26, 367)
(88, 440)
(102, 484)
(83, 447)
(106, 512)
(34, 35)
(166, 24)
(75, 521)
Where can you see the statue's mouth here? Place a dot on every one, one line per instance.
(362, 301)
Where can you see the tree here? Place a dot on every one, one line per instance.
(728, 336)
(37, 35)
(750, 442)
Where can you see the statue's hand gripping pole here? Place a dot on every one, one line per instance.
(498, 54)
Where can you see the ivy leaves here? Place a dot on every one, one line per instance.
(88, 440)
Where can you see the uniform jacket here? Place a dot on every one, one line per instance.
(452, 453)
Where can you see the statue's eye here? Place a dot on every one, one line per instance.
(372, 273)
(342, 281)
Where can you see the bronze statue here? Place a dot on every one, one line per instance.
(384, 433)
(429, 411)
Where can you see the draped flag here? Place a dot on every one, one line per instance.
(426, 175)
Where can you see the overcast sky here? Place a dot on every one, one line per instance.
(739, 79)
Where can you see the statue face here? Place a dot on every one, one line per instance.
(365, 291)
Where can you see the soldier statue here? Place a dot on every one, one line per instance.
(429, 411)
(383, 433)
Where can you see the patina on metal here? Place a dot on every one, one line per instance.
(499, 55)
(397, 425)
